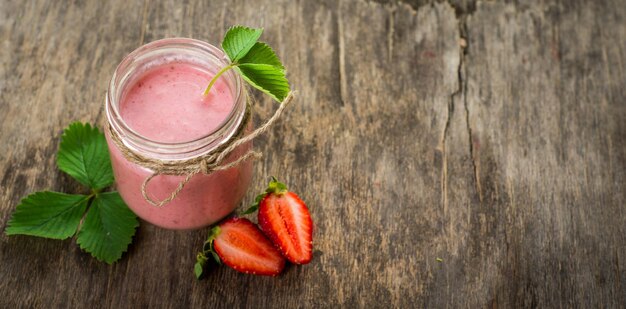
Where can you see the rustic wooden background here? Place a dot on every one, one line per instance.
(490, 134)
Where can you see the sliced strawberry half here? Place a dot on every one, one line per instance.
(286, 220)
(242, 246)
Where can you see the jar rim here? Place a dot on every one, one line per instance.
(184, 149)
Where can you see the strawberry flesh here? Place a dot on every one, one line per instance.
(286, 220)
(242, 246)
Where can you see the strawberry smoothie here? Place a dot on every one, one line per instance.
(164, 105)
(167, 105)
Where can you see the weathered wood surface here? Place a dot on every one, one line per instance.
(489, 134)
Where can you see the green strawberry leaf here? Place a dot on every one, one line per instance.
(83, 154)
(213, 233)
(109, 225)
(255, 61)
(108, 228)
(255, 206)
(262, 53)
(276, 186)
(239, 40)
(216, 257)
(202, 261)
(48, 214)
(266, 78)
(198, 268)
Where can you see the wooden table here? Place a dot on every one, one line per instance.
(463, 154)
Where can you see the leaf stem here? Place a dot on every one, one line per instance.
(94, 193)
(214, 79)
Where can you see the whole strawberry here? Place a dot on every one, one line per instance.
(286, 220)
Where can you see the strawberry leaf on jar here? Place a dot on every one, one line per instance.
(239, 40)
(256, 62)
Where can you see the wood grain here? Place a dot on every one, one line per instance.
(489, 134)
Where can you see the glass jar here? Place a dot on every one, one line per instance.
(206, 198)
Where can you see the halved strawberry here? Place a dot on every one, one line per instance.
(286, 220)
(242, 246)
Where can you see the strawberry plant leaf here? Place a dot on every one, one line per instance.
(239, 40)
(202, 260)
(255, 61)
(251, 209)
(48, 214)
(83, 155)
(108, 228)
(216, 258)
(266, 78)
(109, 225)
(213, 233)
(198, 268)
(254, 207)
(276, 186)
(262, 53)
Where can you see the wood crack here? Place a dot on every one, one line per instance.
(461, 90)
(475, 165)
(444, 170)
(463, 77)
(342, 59)
(462, 16)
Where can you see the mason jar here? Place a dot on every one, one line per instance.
(205, 198)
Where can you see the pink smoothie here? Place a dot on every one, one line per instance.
(166, 105)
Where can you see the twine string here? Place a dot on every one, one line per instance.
(206, 164)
